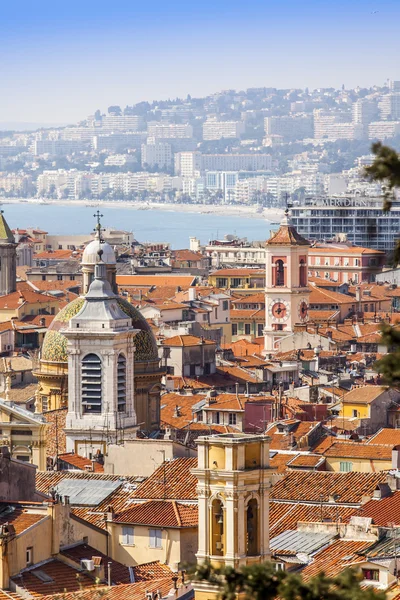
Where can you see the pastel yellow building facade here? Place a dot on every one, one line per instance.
(234, 482)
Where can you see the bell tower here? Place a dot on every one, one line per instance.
(234, 481)
(286, 283)
(8, 258)
(100, 370)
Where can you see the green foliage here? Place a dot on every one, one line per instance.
(262, 582)
(389, 365)
(386, 169)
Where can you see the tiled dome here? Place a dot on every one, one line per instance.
(54, 348)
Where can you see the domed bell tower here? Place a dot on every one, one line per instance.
(8, 259)
(286, 284)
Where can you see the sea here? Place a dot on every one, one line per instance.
(170, 226)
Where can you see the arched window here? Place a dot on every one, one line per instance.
(217, 528)
(252, 528)
(91, 384)
(302, 273)
(121, 382)
(279, 273)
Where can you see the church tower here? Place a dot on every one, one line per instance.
(286, 283)
(8, 259)
(100, 370)
(234, 482)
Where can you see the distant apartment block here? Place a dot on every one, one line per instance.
(116, 142)
(157, 154)
(389, 107)
(58, 147)
(236, 162)
(364, 111)
(187, 164)
(383, 129)
(335, 125)
(289, 127)
(218, 130)
(174, 130)
(122, 123)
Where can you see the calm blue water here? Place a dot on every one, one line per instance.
(147, 225)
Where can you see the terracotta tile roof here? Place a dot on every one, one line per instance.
(63, 578)
(151, 570)
(298, 430)
(19, 298)
(184, 281)
(251, 299)
(335, 558)
(364, 394)
(306, 486)
(383, 512)
(279, 461)
(55, 435)
(306, 461)
(160, 513)
(323, 315)
(322, 296)
(56, 254)
(287, 236)
(324, 443)
(35, 320)
(187, 341)
(132, 591)
(284, 516)
(80, 462)
(49, 285)
(21, 393)
(359, 450)
(171, 481)
(119, 572)
(239, 273)
(250, 313)
(320, 249)
(385, 436)
(18, 516)
(244, 347)
(187, 255)
(238, 374)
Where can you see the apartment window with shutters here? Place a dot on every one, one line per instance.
(29, 556)
(232, 419)
(234, 328)
(155, 538)
(346, 467)
(127, 536)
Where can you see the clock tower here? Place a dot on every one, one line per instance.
(286, 283)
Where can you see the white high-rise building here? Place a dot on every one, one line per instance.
(157, 155)
(382, 130)
(389, 107)
(187, 164)
(289, 127)
(174, 130)
(364, 111)
(218, 130)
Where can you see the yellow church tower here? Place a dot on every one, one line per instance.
(234, 482)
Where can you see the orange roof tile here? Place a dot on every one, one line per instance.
(385, 436)
(287, 236)
(171, 481)
(284, 516)
(19, 517)
(239, 273)
(80, 462)
(306, 461)
(360, 450)
(187, 340)
(184, 281)
(63, 578)
(322, 296)
(383, 512)
(335, 558)
(364, 394)
(56, 254)
(160, 513)
(308, 486)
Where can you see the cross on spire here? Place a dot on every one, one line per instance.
(98, 229)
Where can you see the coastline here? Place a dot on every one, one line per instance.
(247, 212)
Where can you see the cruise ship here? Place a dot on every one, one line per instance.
(360, 218)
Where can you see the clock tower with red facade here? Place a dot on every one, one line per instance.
(286, 283)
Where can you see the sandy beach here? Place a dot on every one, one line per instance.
(247, 212)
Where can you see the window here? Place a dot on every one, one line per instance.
(279, 566)
(225, 305)
(260, 329)
(43, 277)
(91, 383)
(59, 277)
(356, 262)
(302, 273)
(29, 556)
(234, 329)
(247, 328)
(216, 416)
(365, 307)
(371, 574)
(121, 374)
(205, 317)
(72, 277)
(355, 413)
(155, 537)
(45, 403)
(346, 467)
(279, 273)
(232, 418)
(127, 536)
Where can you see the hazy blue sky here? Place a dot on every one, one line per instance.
(59, 60)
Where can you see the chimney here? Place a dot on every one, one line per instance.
(396, 458)
(177, 411)
(42, 322)
(192, 294)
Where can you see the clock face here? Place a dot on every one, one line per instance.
(303, 310)
(279, 309)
